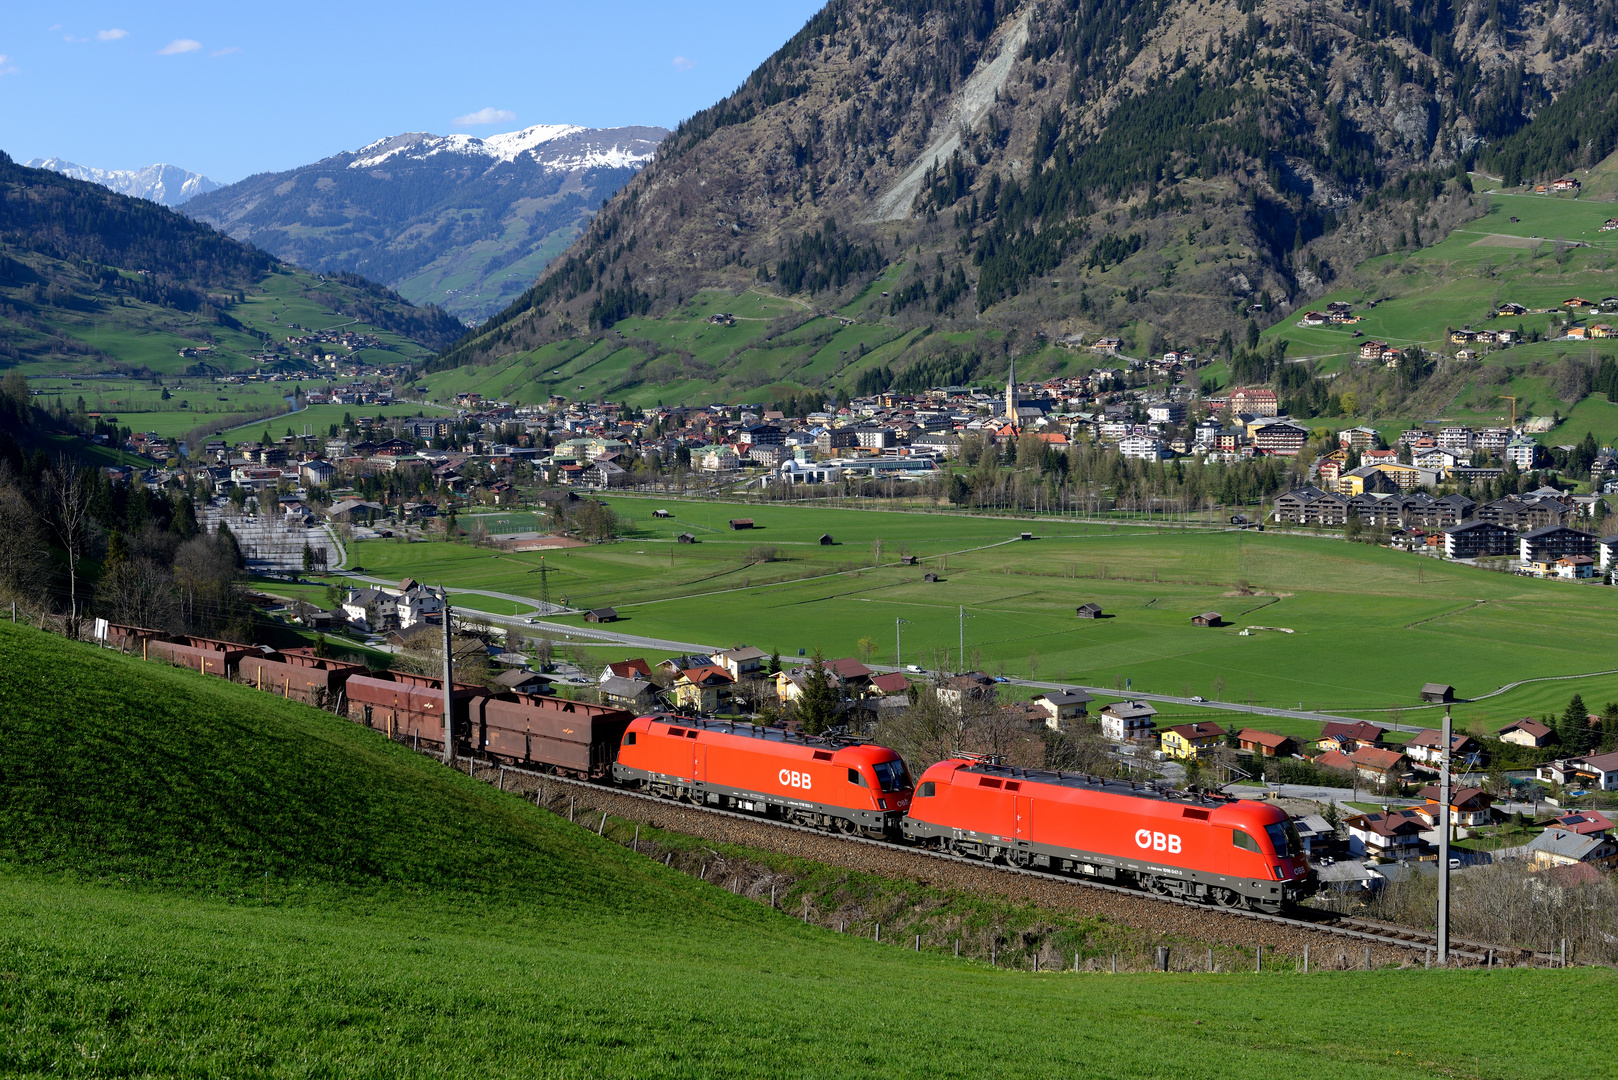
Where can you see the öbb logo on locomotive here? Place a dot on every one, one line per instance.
(790, 778)
(1156, 841)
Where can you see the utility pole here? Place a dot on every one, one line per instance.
(449, 683)
(1443, 845)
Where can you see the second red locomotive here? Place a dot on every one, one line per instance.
(1230, 852)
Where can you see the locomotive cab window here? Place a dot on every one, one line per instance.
(926, 790)
(892, 775)
(1285, 838)
(629, 738)
(1243, 841)
(857, 777)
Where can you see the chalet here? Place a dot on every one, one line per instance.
(1128, 721)
(1207, 618)
(1063, 706)
(1468, 806)
(1584, 822)
(1372, 350)
(1267, 743)
(745, 662)
(524, 682)
(889, 684)
(637, 668)
(1525, 732)
(703, 689)
(1088, 611)
(1347, 738)
(973, 686)
(1595, 770)
(1391, 834)
(1187, 741)
(629, 693)
(1562, 847)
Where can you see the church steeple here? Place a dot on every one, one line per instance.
(1011, 394)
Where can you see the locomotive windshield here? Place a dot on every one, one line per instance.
(891, 775)
(1279, 832)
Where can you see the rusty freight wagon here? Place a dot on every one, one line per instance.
(408, 707)
(569, 737)
(207, 655)
(299, 676)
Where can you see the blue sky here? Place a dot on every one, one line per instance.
(233, 89)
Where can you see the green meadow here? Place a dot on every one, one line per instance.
(1369, 626)
(1508, 255)
(199, 880)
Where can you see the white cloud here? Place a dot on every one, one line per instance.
(179, 45)
(112, 35)
(489, 115)
(682, 64)
(226, 52)
(6, 67)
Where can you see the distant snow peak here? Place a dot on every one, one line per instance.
(168, 185)
(577, 149)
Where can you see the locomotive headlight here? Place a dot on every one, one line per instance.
(882, 804)
(1280, 873)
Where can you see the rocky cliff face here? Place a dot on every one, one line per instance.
(1163, 168)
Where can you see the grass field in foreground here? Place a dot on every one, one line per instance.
(1370, 626)
(196, 879)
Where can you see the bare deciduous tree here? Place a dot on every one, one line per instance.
(68, 495)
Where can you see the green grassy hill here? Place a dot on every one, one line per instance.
(199, 879)
(100, 294)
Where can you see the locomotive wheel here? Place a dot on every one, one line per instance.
(1227, 898)
(844, 826)
(1022, 859)
(1156, 886)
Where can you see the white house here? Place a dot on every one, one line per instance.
(1520, 452)
(1128, 721)
(372, 610)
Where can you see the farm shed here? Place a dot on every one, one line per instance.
(601, 615)
(662, 514)
(1438, 693)
(1088, 611)
(929, 577)
(1207, 618)
(737, 524)
(686, 538)
(826, 540)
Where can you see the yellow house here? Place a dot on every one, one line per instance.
(703, 689)
(1192, 740)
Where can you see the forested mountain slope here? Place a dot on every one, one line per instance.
(1164, 169)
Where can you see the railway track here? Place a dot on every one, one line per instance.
(1342, 928)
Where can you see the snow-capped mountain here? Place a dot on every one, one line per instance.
(169, 185)
(455, 220)
(555, 146)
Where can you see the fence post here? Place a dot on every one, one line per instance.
(1258, 958)
(1162, 958)
(994, 957)
(570, 800)
(1075, 962)
(918, 943)
(879, 933)
(1115, 963)
(1367, 958)
(602, 830)
(502, 785)
(634, 845)
(772, 897)
(1306, 959)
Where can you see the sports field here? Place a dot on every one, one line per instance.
(1369, 626)
(237, 885)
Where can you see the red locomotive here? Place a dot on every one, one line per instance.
(1229, 852)
(855, 788)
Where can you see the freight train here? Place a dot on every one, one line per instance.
(1198, 847)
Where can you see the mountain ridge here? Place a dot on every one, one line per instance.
(166, 185)
(461, 221)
